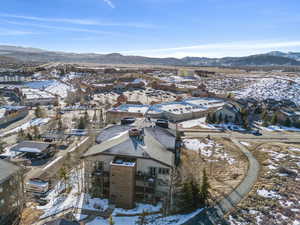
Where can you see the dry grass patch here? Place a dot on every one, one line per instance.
(224, 163)
(275, 197)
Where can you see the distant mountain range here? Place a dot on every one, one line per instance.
(275, 58)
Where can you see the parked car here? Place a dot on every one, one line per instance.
(256, 133)
(162, 123)
(41, 201)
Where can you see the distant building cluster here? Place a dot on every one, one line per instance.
(173, 111)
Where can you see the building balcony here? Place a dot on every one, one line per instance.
(144, 190)
(146, 177)
(100, 173)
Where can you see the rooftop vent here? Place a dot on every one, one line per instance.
(134, 132)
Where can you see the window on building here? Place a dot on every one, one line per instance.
(98, 166)
(1, 189)
(1, 202)
(163, 171)
(153, 171)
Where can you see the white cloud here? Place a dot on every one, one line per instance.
(219, 49)
(80, 21)
(5, 32)
(63, 28)
(110, 3)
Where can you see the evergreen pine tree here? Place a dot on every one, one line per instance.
(226, 119)
(60, 125)
(204, 193)
(196, 194)
(274, 119)
(244, 115)
(297, 124)
(101, 119)
(142, 220)
(95, 116)
(287, 122)
(2, 144)
(21, 135)
(36, 132)
(110, 220)
(86, 117)
(214, 120)
(220, 118)
(63, 175)
(186, 197)
(29, 137)
(209, 118)
(82, 123)
(265, 123)
(264, 115)
(38, 112)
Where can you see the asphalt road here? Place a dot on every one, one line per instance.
(267, 136)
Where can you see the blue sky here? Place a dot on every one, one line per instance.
(159, 28)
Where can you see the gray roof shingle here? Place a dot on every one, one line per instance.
(156, 144)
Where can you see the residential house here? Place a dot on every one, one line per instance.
(288, 116)
(229, 113)
(10, 114)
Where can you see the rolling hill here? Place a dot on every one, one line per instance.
(39, 55)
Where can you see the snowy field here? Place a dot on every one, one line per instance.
(202, 124)
(277, 89)
(209, 149)
(60, 89)
(196, 123)
(280, 128)
(31, 123)
(151, 219)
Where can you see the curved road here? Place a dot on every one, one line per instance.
(215, 214)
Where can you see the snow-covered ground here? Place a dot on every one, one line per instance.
(151, 219)
(195, 123)
(8, 153)
(209, 148)
(31, 123)
(245, 143)
(201, 123)
(277, 89)
(60, 89)
(268, 194)
(59, 200)
(280, 128)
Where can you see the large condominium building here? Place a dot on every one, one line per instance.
(11, 193)
(131, 164)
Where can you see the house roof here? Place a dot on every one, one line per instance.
(165, 137)
(155, 144)
(110, 132)
(30, 146)
(7, 169)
